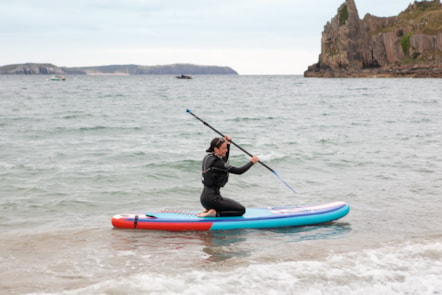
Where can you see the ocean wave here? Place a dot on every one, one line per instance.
(409, 268)
(103, 127)
(261, 118)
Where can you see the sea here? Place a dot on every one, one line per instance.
(74, 153)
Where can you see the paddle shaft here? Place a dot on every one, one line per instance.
(239, 147)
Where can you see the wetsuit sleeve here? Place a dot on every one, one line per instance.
(240, 170)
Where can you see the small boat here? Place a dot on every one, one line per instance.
(273, 217)
(58, 78)
(184, 77)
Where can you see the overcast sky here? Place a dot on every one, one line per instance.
(253, 37)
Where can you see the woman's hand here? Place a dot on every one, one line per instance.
(254, 159)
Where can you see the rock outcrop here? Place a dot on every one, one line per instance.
(407, 45)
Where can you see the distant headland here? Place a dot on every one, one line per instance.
(407, 45)
(173, 69)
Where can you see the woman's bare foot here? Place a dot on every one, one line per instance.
(207, 213)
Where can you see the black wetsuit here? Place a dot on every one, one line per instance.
(215, 171)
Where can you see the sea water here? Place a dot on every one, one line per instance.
(74, 153)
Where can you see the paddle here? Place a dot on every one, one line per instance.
(271, 170)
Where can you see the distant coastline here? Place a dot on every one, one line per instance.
(115, 70)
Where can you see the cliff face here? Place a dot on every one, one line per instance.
(407, 45)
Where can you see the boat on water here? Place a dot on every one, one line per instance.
(184, 77)
(58, 78)
(272, 217)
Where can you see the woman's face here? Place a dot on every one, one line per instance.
(222, 150)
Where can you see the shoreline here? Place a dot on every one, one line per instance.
(395, 71)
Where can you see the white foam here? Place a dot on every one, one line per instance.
(271, 156)
(393, 269)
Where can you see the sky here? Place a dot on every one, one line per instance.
(254, 37)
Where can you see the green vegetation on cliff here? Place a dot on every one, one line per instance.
(343, 15)
(405, 43)
(420, 17)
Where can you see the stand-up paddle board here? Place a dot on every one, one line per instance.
(272, 217)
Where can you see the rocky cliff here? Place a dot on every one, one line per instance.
(174, 69)
(407, 45)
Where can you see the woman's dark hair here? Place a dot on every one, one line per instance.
(215, 143)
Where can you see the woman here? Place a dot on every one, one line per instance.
(215, 171)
